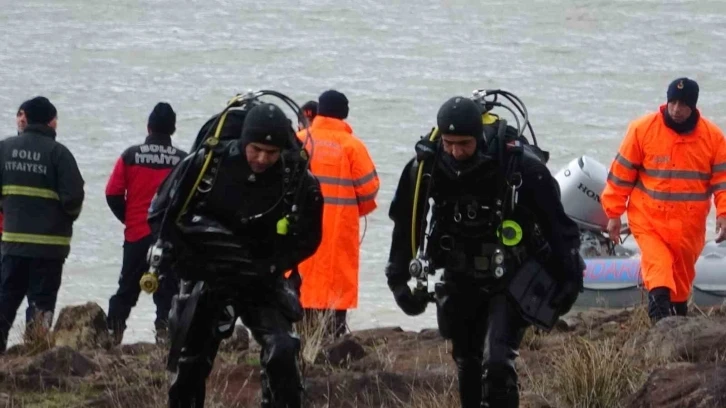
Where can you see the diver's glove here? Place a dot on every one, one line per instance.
(575, 268)
(413, 303)
(573, 283)
(425, 148)
(288, 298)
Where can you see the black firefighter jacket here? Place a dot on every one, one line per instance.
(42, 194)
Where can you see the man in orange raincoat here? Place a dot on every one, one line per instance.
(666, 169)
(349, 183)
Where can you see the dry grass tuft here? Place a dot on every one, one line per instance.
(532, 339)
(313, 330)
(595, 374)
(37, 338)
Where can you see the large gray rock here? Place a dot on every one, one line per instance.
(370, 337)
(381, 388)
(343, 350)
(682, 385)
(82, 327)
(677, 338)
(584, 322)
(61, 367)
(62, 361)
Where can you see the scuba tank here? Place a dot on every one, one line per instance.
(193, 183)
(501, 144)
(231, 127)
(530, 287)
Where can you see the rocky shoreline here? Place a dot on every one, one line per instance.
(594, 358)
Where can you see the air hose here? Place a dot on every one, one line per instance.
(416, 192)
(479, 96)
(150, 280)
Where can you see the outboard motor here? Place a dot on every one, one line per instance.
(581, 183)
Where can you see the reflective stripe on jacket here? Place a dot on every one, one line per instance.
(42, 194)
(349, 183)
(136, 177)
(665, 180)
(658, 169)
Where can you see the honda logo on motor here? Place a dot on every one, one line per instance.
(589, 192)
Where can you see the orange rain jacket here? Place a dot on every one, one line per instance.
(669, 179)
(349, 182)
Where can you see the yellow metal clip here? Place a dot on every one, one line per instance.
(149, 282)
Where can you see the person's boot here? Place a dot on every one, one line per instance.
(37, 330)
(188, 388)
(116, 332)
(499, 387)
(117, 336)
(470, 377)
(680, 308)
(659, 303)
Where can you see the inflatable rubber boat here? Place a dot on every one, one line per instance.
(613, 276)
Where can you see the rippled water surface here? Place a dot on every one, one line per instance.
(583, 68)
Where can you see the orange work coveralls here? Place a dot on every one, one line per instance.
(349, 183)
(669, 179)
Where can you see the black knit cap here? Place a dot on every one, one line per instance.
(684, 90)
(162, 120)
(39, 111)
(267, 124)
(460, 116)
(333, 104)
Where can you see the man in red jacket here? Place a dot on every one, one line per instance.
(134, 181)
